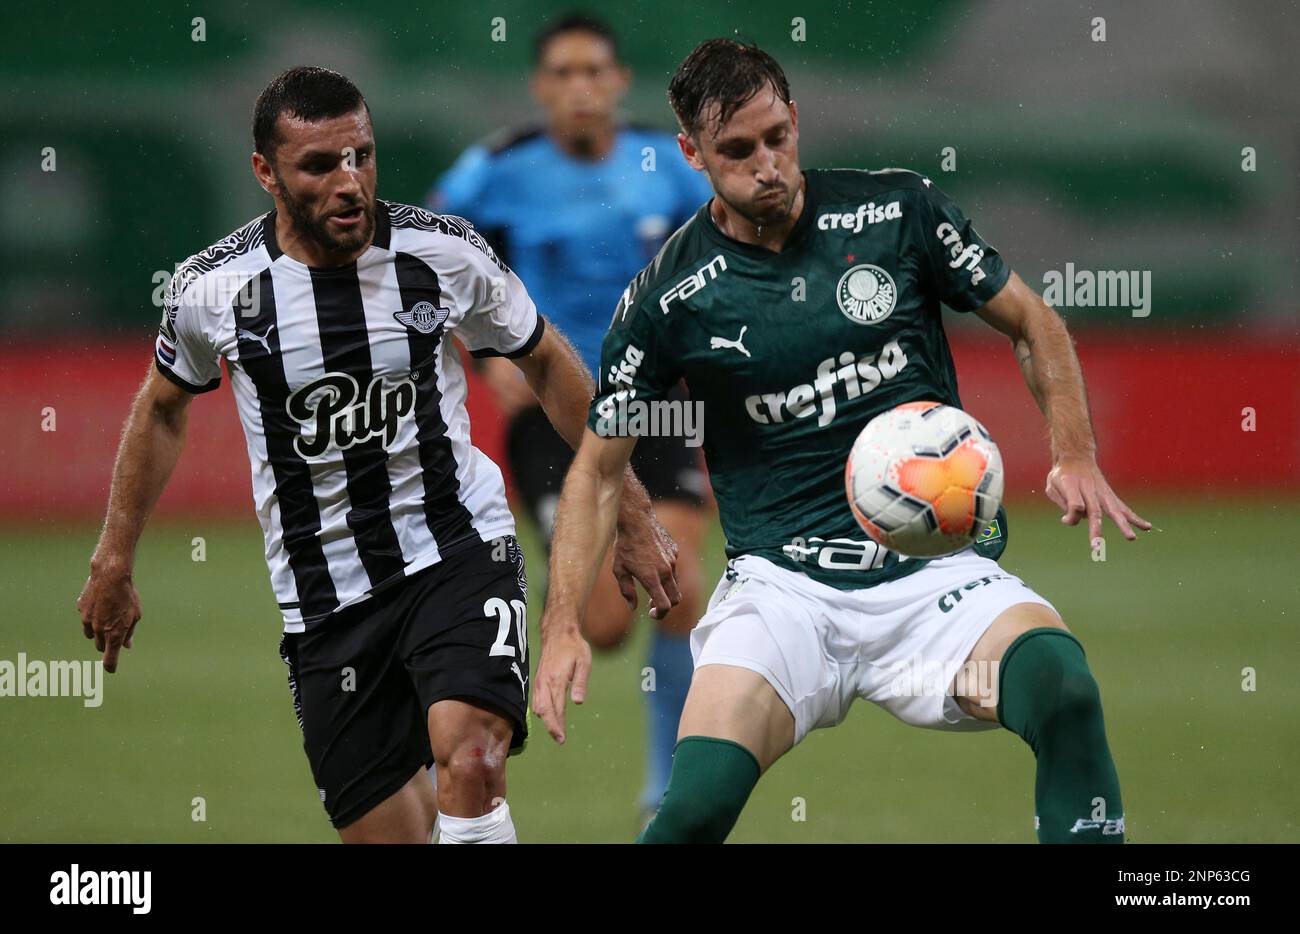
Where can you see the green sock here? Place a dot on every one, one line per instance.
(709, 785)
(1049, 698)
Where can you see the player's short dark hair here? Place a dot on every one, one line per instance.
(725, 73)
(574, 22)
(305, 91)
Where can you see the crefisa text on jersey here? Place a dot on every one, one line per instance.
(858, 376)
(967, 255)
(869, 213)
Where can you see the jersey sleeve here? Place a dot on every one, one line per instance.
(502, 320)
(183, 351)
(968, 271)
(635, 365)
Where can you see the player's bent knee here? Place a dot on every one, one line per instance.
(606, 631)
(473, 766)
(472, 780)
(471, 743)
(1053, 681)
(609, 620)
(1077, 695)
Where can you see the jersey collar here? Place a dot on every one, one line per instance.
(792, 242)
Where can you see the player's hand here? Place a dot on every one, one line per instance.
(1078, 487)
(645, 552)
(109, 608)
(565, 662)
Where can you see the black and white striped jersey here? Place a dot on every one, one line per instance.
(352, 395)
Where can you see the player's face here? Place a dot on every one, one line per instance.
(579, 83)
(323, 174)
(753, 160)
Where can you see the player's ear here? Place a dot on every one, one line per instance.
(794, 117)
(264, 174)
(690, 152)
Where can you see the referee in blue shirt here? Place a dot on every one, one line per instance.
(577, 204)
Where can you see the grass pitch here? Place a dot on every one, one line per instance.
(199, 709)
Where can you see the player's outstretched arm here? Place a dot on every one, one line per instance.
(584, 525)
(1046, 356)
(643, 551)
(151, 444)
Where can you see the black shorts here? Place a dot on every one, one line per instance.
(363, 680)
(539, 458)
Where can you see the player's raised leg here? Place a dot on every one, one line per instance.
(470, 744)
(1048, 697)
(734, 727)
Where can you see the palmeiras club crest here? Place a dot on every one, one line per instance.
(866, 294)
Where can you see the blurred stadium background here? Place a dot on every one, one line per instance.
(1123, 154)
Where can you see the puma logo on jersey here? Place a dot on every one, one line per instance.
(334, 407)
(247, 335)
(718, 343)
(694, 282)
(962, 255)
(869, 213)
(858, 376)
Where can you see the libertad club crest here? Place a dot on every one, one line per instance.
(423, 317)
(866, 294)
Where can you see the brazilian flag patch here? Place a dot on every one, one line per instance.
(990, 533)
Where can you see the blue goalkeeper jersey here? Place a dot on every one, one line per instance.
(575, 231)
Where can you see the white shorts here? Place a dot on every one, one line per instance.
(899, 644)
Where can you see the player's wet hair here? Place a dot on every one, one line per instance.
(574, 22)
(307, 92)
(723, 73)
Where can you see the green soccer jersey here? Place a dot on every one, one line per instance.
(790, 354)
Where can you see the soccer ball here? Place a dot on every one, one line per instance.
(924, 479)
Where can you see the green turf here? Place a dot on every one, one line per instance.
(200, 707)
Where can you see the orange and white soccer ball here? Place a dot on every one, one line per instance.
(923, 479)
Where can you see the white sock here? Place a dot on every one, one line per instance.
(493, 827)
